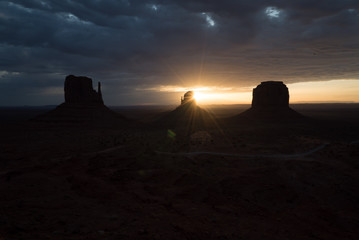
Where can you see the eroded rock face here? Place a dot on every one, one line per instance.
(270, 94)
(79, 90)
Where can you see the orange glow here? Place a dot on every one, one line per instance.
(222, 98)
(320, 91)
(324, 91)
(218, 95)
(309, 92)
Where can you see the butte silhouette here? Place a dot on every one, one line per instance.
(270, 103)
(83, 105)
(188, 116)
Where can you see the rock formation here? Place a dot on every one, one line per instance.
(270, 102)
(83, 106)
(78, 90)
(270, 94)
(187, 97)
(188, 117)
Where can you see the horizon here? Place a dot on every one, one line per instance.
(208, 97)
(174, 105)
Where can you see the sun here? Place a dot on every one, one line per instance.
(198, 96)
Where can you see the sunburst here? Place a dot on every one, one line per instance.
(198, 96)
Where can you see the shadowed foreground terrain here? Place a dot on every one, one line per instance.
(247, 180)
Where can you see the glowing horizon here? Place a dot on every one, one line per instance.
(333, 91)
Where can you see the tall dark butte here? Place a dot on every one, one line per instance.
(270, 103)
(83, 105)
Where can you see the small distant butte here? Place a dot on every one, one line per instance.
(187, 97)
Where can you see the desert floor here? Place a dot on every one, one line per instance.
(253, 180)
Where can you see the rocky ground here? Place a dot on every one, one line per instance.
(136, 183)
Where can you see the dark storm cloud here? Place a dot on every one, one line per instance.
(142, 44)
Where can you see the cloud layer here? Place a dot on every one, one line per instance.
(137, 44)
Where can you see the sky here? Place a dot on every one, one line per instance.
(151, 52)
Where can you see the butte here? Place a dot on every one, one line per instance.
(188, 117)
(83, 106)
(270, 102)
